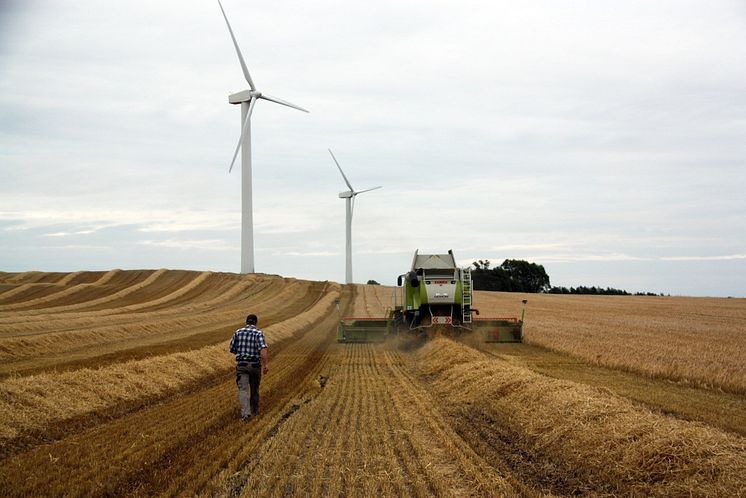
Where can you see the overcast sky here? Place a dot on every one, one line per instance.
(604, 140)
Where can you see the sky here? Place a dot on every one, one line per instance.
(604, 140)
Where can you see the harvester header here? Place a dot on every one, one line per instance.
(434, 295)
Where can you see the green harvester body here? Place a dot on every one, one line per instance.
(435, 295)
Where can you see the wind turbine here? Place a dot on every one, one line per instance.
(247, 99)
(349, 197)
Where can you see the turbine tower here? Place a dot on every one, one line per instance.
(349, 197)
(247, 99)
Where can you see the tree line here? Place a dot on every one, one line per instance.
(516, 275)
(608, 291)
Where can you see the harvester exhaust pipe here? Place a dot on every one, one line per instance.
(413, 280)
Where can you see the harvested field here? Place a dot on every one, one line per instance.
(372, 301)
(135, 395)
(701, 341)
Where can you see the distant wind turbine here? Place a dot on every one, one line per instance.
(349, 197)
(247, 99)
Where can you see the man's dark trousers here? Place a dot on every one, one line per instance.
(248, 377)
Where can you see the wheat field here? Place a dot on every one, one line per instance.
(696, 340)
(120, 383)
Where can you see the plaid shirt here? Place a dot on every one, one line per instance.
(246, 343)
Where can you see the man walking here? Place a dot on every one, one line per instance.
(250, 348)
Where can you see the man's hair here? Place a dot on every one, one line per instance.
(251, 319)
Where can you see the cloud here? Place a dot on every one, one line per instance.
(307, 254)
(727, 257)
(565, 258)
(89, 221)
(189, 244)
(584, 135)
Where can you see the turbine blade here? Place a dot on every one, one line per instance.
(280, 101)
(244, 130)
(352, 208)
(367, 190)
(340, 170)
(238, 50)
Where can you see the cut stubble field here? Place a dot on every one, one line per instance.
(135, 394)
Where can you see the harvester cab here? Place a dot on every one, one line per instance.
(434, 295)
(433, 292)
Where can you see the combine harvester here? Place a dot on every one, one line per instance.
(434, 296)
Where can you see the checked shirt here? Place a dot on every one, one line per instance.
(246, 343)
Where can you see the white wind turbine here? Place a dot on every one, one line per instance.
(349, 197)
(247, 99)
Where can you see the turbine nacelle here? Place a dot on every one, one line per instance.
(243, 96)
(346, 195)
(253, 96)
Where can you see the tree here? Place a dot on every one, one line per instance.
(482, 264)
(372, 282)
(527, 277)
(492, 280)
(512, 275)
